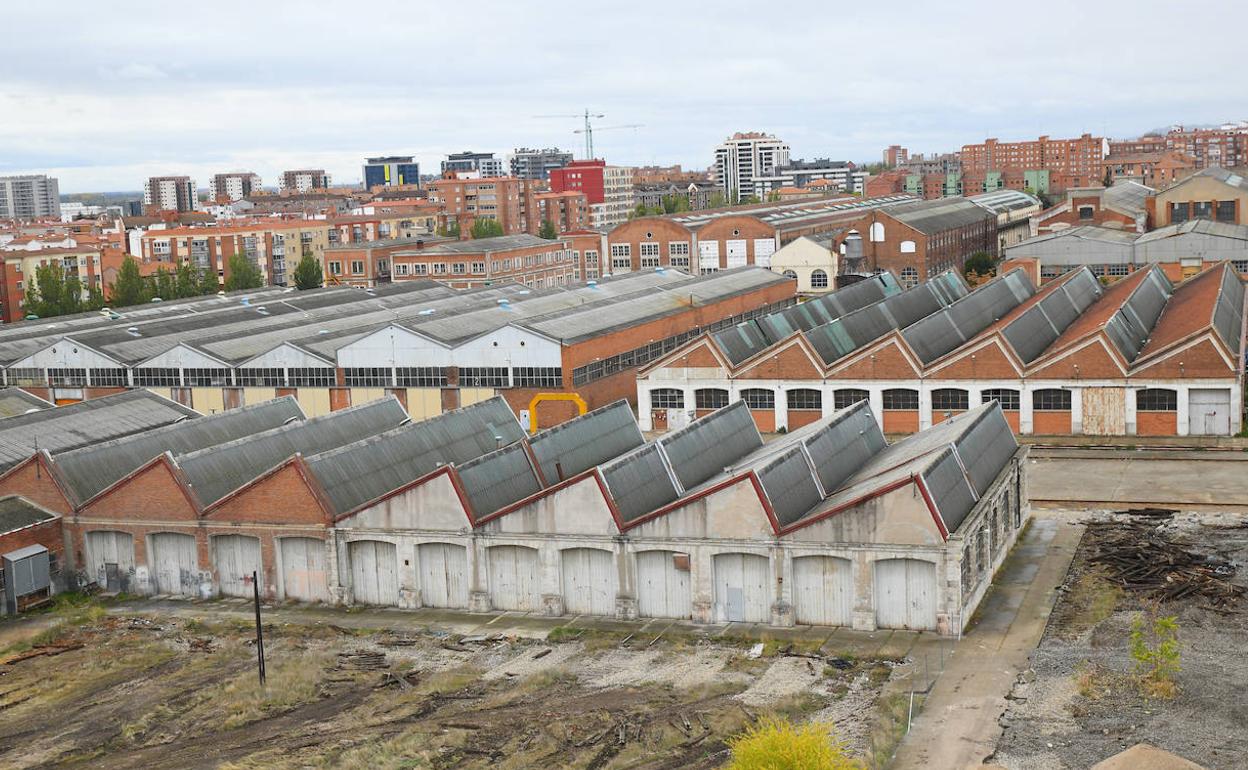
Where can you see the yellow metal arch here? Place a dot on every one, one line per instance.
(540, 397)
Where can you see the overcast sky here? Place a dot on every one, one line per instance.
(104, 95)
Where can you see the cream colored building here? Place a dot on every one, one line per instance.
(811, 261)
(1212, 193)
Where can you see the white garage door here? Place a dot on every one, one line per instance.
(1209, 412)
(588, 581)
(741, 588)
(175, 564)
(763, 249)
(905, 594)
(823, 591)
(303, 569)
(737, 253)
(236, 557)
(374, 572)
(443, 574)
(110, 559)
(708, 255)
(513, 578)
(662, 588)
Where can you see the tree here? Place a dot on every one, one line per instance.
(748, 200)
(674, 204)
(163, 285)
(548, 230)
(53, 293)
(186, 281)
(718, 200)
(308, 273)
(486, 228)
(243, 274)
(979, 263)
(776, 744)
(129, 288)
(95, 298)
(209, 281)
(449, 231)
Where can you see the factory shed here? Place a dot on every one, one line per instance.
(15, 401)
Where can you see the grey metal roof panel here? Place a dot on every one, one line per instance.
(934, 216)
(1228, 314)
(486, 245)
(15, 401)
(93, 469)
(18, 512)
(947, 329)
(498, 479)
(949, 488)
(841, 447)
(639, 483)
(1132, 324)
(741, 341)
(87, 422)
(915, 446)
(216, 471)
(579, 444)
(790, 485)
(1031, 333)
(708, 445)
(985, 447)
(358, 473)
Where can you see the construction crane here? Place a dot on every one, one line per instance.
(588, 130)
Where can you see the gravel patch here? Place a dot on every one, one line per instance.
(784, 677)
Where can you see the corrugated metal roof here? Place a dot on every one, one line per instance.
(708, 445)
(984, 447)
(579, 444)
(639, 482)
(1131, 326)
(790, 485)
(215, 472)
(945, 330)
(358, 473)
(949, 488)
(1004, 200)
(1228, 315)
(841, 447)
(87, 422)
(498, 479)
(1198, 227)
(92, 469)
(934, 216)
(17, 512)
(15, 401)
(1031, 333)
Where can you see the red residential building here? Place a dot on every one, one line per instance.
(567, 210)
(583, 176)
(504, 199)
(467, 264)
(1068, 162)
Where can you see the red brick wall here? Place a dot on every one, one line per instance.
(48, 534)
(1156, 423)
(1050, 423)
(901, 421)
(153, 494)
(282, 497)
(32, 481)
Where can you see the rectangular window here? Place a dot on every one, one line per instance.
(312, 377)
(459, 268)
(335, 268)
(537, 376)
(478, 268)
(439, 268)
(759, 398)
(1116, 269)
(678, 249)
(591, 258)
(115, 378)
(1202, 210)
(667, 398)
(156, 377)
(483, 377)
(949, 399)
(1178, 212)
(805, 399)
(710, 398)
(400, 268)
(420, 377)
(203, 378)
(621, 250)
(1156, 400)
(1226, 211)
(1007, 397)
(70, 378)
(420, 269)
(368, 376)
(261, 377)
(901, 399)
(357, 267)
(1051, 400)
(847, 397)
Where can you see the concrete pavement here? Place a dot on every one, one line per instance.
(1082, 478)
(958, 725)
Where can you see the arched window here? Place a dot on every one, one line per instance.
(1005, 396)
(759, 398)
(950, 400)
(818, 280)
(907, 247)
(710, 398)
(877, 232)
(1051, 400)
(1156, 400)
(805, 399)
(847, 397)
(901, 399)
(909, 277)
(667, 398)
(792, 276)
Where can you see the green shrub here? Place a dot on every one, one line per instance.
(777, 744)
(1155, 648)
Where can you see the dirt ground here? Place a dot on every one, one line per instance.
(145, 691)
(1081, 703)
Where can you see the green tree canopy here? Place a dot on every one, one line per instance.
(548, 230)
(308, 273)
(242, 274)
(54, 293)
(979, 263)
(450, 231)
(486, 228)
(129, 288)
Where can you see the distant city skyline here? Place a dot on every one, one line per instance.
(204, 89)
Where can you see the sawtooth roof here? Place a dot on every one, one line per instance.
(15, 401)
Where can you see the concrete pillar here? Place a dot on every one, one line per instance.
(782, 408)
(1183, 415)
(1076, 410)
(548, 570)
(626, 581)
(1129, 412)
(643, 406)
(876, 398)
(925, 406)
(478, 585)
(828, 397)
(1025, 411)
(701, 585)
(339, 568)
(864, 593)
(409, 584)
(782, 579)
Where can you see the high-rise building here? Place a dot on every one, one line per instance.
(896, 155)
(31, 196)
(483, 164)
(1226, 146)
(839, 175)
(304, 180)
(743, 158)
(607, 189)
(169, 193)
(391, 171)
(234, 186)
(537, 164)
(1044, 164)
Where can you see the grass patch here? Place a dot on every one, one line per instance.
(1093, 681)
(293, 679)
(564, 634)
(888, 727)
(1091, 600)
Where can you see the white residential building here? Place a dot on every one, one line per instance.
(234, 186)
(744, 158)
(31, 196)
(169, 193)
(617, 198)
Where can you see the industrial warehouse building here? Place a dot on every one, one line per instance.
(826, 525)
(426, 344)
(1139, 357)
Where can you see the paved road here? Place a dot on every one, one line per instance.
(958, 725)
(1213, 480)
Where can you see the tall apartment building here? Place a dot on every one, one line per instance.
(1046, 164)
(169, 193)
(1226, 146)
(234, 186)
(896, 155)
(304, 180)
(483, 164)
(745, 157)
(842, 175)
(567, 211)
(31, 196)
(668, 175)
(607, 189)
(507, 200)
(537, 164)
(390, 171)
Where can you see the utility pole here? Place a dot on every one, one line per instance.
(255, 587)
